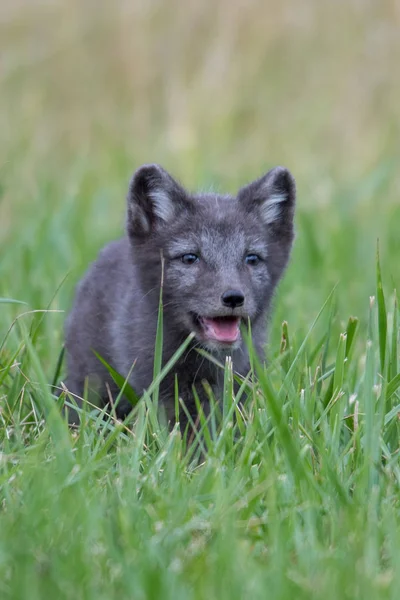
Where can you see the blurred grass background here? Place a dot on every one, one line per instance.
(304, 503)
(218, 93)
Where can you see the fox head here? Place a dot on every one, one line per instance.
(220, 257)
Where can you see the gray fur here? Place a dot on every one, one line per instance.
(116, 304)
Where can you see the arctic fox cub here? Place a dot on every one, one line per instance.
(220, 258)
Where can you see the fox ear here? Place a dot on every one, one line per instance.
(153, 199)
(274, 195)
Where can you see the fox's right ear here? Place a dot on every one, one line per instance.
(154, 198)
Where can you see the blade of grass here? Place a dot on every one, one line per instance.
(382, 316)
(58, 367)
(392, 386)
(393, 367)
(121, 381)
(337, 408)
(12, 301)
(351, 330)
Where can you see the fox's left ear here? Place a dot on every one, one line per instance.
(274, 196)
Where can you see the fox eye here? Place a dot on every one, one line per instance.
(252, 260)
(189, 259)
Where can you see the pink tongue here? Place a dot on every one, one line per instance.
(220, 329)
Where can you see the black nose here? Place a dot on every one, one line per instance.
(232, 298)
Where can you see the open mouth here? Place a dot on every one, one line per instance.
(224, 330)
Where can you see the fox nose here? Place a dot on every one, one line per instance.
(232, 298)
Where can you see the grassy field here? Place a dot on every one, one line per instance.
(297, 494)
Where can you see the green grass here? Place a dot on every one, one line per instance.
(294, 493)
